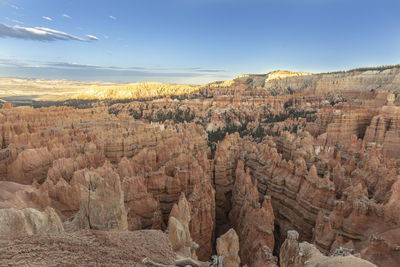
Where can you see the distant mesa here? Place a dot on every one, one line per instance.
(276, 82)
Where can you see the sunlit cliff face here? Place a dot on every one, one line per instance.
(281, 74)
(135, 91)
(59, 90)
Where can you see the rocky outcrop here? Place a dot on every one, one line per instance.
(101, 201)
(334, 198)
(178, 229)
(346, 123)
(383, 248)
(143, 211)
(297, 254)
(224, 178)
(19, 223)
(384, 131)
(253, 222)
(30, 165)
(258, 241)
(202, 223)
(296, 194)
(228, 248)
(360, 222)
(18, 196)
(357, 80)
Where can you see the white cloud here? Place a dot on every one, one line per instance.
(39, 34)
(92, 37)
(8, 4)
(66, 16)
(47, 18)
(73, 71)
(17, 21)
(60, 33)
(112, 17)
(14, 20)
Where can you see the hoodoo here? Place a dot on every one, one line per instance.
(252, 174)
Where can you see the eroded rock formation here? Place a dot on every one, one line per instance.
(178, 229)
(19, 223)
(253, 222)
(302, 254)
(228, 248)
(261, 154)
(101, 201)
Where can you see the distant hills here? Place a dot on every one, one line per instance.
(61, 90)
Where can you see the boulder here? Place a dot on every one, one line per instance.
(28, 221)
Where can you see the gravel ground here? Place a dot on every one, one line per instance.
(87, 248)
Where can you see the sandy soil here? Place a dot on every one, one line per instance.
(87, 248)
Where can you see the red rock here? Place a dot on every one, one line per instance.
(30, 165)
(178, 229)
(202, 223)
(143, 210)
(228, 248)
(253, 223)
(101, 201)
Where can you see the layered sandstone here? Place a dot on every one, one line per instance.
(357, 80)
(253, 222)
(383, 131)
(331, 199)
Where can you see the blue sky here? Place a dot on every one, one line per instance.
(193, 41)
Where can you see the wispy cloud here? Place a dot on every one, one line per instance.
(37, 33)
(72, 65)
(93, 72)
(47, 18)
(66, 16)
(59, 33)
(205, 70)
(112, 17)
(5, 3)
(14, 20)
(17, 21)
(92, 37)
